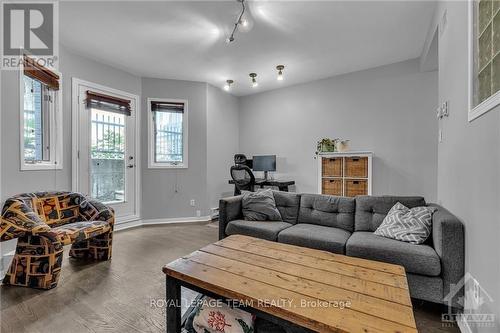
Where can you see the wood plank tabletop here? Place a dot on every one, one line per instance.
(315, 289)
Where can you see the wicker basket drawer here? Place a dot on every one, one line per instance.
(332, 166)
(332, 186)
(356, 167)
(355, 187)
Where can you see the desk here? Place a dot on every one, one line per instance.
(282, 185)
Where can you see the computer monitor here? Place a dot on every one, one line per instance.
(264, 163)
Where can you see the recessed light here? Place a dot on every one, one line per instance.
(280, 69)
(227, 87)
(254, 80)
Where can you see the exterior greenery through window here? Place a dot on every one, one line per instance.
(168, 131)
(486, 44)
(37, 116)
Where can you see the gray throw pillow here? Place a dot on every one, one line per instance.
(408, 225)
(260, 206)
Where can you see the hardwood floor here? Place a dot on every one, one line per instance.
(126, 293)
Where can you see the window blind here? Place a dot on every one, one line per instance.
(40, 73)
(108, 103)
(167, 107)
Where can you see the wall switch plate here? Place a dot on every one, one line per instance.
(440, 135)
(192, 203)
(198, 213)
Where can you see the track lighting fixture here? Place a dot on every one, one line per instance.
(254, 81)
(227, 87)
(243, 22)
(280, 69)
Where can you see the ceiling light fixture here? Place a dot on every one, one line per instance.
(254, 81)
(280, 69)
(227, 87)
(243, 21)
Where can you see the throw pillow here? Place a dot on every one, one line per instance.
(408, 225)
(215, 316)
(260, 206)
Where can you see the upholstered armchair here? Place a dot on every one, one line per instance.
(44, 222)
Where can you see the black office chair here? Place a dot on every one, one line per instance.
(243, 178)
(240, 159)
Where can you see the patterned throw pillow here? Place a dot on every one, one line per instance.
(407, 225)
(212, 316)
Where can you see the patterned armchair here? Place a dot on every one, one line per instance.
(44, 222)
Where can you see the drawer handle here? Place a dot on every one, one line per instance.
(332, 159)
(331, 180)
(355, 159)
(355, 182)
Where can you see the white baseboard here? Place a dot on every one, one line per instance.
(463, 325)
(178, 220)
(127, 225)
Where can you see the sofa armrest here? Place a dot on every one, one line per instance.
(229, 210)
(449, 243)
(19, 219)
(94, 210)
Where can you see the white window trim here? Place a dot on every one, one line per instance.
(56, 132)
(151, 158)
(494, 100)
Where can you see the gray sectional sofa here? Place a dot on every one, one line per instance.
(346, 225)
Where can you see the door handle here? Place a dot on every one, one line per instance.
(130, 166)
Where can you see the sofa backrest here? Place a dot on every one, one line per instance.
(371, 210)
(288, 205)
(327, 210)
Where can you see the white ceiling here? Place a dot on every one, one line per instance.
(186, 40)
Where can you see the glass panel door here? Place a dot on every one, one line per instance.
(107, 165)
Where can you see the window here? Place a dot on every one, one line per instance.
(168, 133)
(41, 140)
(484, 25)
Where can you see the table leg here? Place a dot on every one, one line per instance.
(173, 298)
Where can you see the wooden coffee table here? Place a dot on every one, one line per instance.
(295, 286)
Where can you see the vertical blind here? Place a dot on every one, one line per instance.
(108, 103)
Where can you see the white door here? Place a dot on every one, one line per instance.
(106, 156)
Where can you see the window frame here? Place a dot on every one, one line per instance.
(152, 164)
(475, 111)
(56, 129)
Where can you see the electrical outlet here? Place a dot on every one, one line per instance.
(198, 213)
(192, 203)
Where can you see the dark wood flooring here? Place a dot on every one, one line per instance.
(126, 293)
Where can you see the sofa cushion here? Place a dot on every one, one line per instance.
(418, 259)
(371, 210)
(261, 229)
(288, 205)
(260, 206)
(327, 210)
(315, 237)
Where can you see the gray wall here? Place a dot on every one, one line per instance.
(167, 192)
(222, 142)
(388, 110)
(469, 161)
